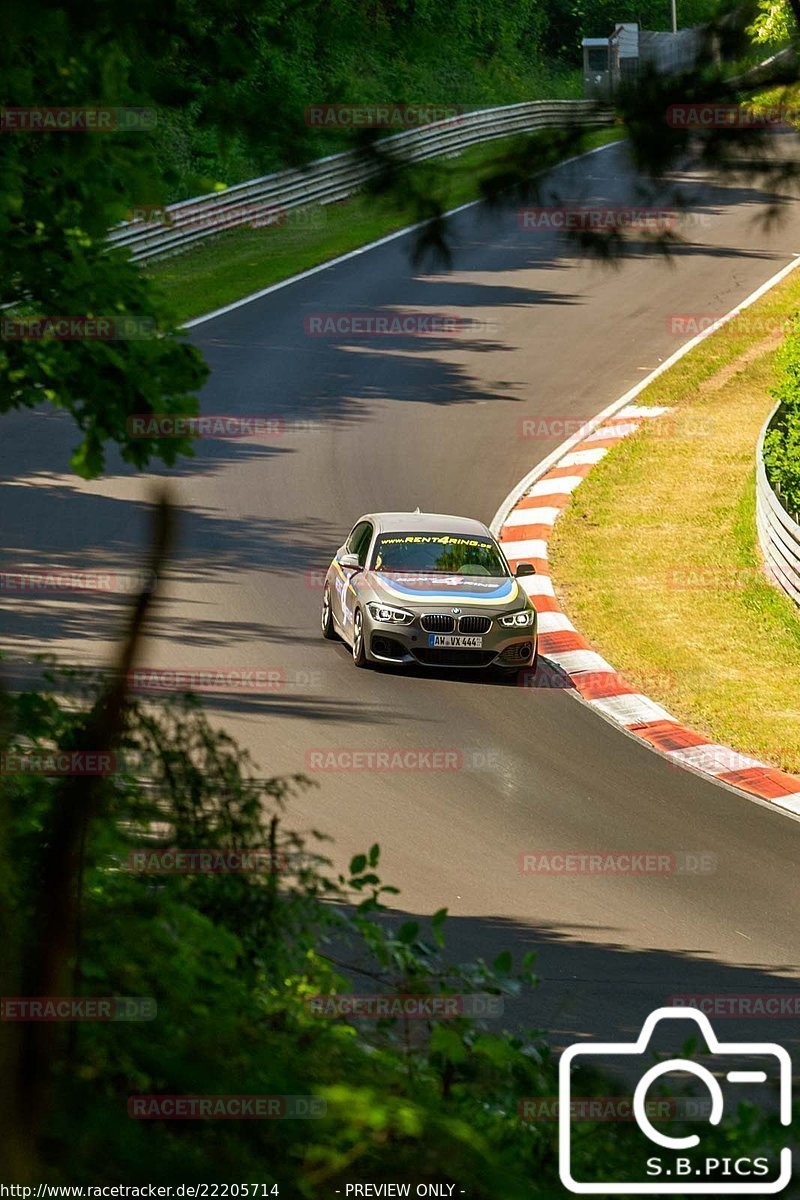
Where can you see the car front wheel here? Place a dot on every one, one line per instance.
(328, 630)
(359, 652)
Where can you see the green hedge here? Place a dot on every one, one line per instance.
(464, 53)
(782, 443)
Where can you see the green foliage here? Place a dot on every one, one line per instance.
(232, 961)
(363, 52)
(774, 24)
(223, 86)
(782, 443)
(61, 191)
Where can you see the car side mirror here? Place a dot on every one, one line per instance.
(350, 561)
(524, 569)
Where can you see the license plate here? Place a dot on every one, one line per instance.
(437, 640)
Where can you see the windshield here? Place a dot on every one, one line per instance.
(438, 554)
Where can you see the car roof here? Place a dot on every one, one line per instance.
(411, 522)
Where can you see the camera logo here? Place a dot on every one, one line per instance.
(685, 1166)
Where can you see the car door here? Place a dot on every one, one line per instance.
(361, 547)
(342, 597)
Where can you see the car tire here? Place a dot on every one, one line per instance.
(359, 650)
(328, 628)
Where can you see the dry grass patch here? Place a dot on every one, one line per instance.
(656, 558)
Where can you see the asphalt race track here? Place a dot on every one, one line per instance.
(396, 422)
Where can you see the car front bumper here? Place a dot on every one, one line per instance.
(405, 645)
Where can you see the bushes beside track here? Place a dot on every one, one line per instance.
(782, 443)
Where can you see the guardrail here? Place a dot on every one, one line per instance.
(768, 69)
(778, 533)
(265, 201)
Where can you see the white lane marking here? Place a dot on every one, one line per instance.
(516, 493)
(631, 710)
(642, 410)
(554, 622)
(575, 661)
(790, 802)
(556, 487)
(714, 759)
(389, 237)
(584, 458)
(532, 516)
(532, 549)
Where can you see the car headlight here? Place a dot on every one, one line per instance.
(524, 618)
(394, 616)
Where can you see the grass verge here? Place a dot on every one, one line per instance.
(656, 558)
(225, 268)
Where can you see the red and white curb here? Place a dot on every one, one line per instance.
(524, 526)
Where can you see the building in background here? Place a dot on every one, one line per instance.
(608, 62)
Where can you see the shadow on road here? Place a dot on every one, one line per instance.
(593, 986)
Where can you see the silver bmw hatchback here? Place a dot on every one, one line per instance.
(428, 589)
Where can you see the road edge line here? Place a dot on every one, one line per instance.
(383, 241)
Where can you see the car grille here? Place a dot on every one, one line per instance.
(474, 625)
(438, 623)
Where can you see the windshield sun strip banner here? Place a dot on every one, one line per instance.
(461, 590)
(466, 585)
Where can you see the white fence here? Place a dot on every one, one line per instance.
(265, 201)
(778, 533)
